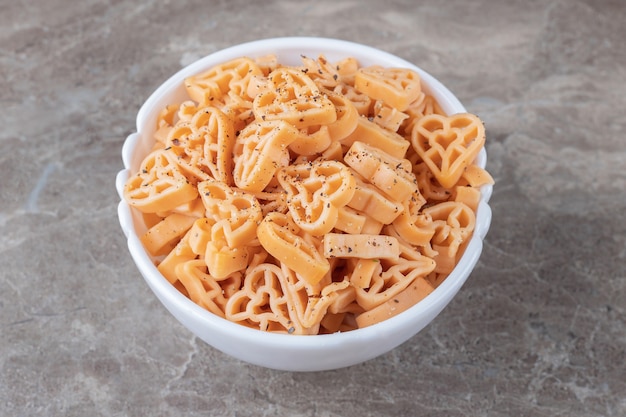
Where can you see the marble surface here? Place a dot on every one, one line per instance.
(538, 330)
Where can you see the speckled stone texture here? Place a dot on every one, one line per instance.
(538, 330)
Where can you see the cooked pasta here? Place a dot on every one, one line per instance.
(308, 199)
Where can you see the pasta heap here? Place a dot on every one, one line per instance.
(308, 199)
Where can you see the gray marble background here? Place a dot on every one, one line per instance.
(538, 330)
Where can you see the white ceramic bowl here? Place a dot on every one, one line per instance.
(281, 351)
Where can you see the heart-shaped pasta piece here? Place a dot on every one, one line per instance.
(262, 302)
(315, 192)
(159, 185)
(211, 85)
(453, 224)
(293, 97)
(448, 144)
(204, 144)
(237, 213)
(396, 87)
(260, 150)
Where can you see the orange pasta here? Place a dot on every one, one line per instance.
(308, 199)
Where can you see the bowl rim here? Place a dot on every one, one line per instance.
(429, 305)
